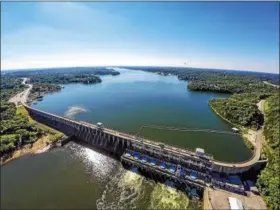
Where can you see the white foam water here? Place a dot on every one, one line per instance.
(167, 197)
(122, 192)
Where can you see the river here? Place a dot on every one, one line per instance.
(79, 177)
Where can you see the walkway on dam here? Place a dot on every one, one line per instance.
(255, 157)
(167, 148)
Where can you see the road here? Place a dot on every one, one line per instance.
(265, 82)
(261, 106)
(22, 96)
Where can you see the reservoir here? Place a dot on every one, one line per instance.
(79, 177)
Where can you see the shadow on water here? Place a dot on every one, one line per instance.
(97, 149)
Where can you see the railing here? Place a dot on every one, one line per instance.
(236, 163)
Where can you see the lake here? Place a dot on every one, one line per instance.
(79, 177)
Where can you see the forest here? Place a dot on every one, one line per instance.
(252, 97)
(214, 80)
(238, 112)
(16, 130)
(57, 78)
(268, 181)
(229, 85)
(65, 71)
(40, 89)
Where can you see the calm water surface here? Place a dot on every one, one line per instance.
(79, 177)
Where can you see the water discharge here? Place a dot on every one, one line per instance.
(123, 191)
(167, 197)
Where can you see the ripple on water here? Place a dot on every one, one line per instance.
(98, 165)
(127, 189)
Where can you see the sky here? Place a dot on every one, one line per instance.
(222, 35)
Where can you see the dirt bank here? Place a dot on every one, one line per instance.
(37, 147)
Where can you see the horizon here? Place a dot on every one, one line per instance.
(235, 36)
(124, 66)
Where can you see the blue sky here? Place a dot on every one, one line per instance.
(227, 35)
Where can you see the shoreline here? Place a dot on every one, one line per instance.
(33, 97)
(42, 144)
(38, 147)
(245, 136)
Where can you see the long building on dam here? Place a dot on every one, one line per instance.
(179, 165)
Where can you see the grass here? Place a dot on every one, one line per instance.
(53, 135)
(266, 105)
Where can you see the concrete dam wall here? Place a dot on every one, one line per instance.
(117, 143)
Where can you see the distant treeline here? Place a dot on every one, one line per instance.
(224, 81)
(65, 71)
(56, 78)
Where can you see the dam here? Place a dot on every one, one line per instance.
(186, 167)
